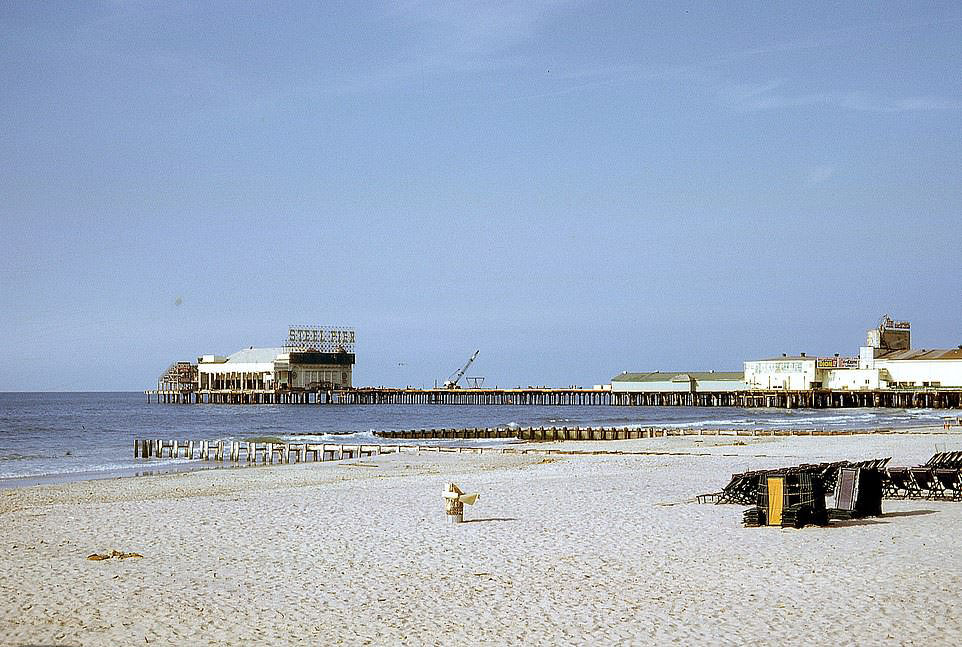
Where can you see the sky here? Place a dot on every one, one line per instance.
(575, 189)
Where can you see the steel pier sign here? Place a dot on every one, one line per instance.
(327, 339)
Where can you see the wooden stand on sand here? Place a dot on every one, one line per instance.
(453, 508)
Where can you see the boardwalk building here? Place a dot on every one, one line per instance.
(269, 369)
(887, 361)
(316, 361)
(887, 372)
(684, 382)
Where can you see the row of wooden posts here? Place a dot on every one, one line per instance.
(237, 451)
(268, 452)
(549, 434)
(331, 451)
(250, 452)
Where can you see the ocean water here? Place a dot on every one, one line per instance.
(75, 436)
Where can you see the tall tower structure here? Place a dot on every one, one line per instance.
(889, 335)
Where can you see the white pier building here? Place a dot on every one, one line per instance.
(886, 361)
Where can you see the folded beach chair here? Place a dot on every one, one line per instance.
(949, 481)
(889, 491)
(727, 493)
(741, 490)
(903, 486)
(829, 474)
(928, 485)
(753, 517)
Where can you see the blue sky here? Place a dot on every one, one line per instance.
(574, 188)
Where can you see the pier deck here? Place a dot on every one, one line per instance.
(371, 395)
(928, 398)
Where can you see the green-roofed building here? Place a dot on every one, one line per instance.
(680, 381)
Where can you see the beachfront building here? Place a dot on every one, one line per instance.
(314, 361)
(678, 382)
(920, 368)
(886, 361)
(269, 369)
(786, 372)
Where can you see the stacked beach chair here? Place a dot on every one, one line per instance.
(938, 478)
(793, 497)
(790, 498)
(743, 488)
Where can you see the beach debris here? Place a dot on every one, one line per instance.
(114, 554)
(454, 500)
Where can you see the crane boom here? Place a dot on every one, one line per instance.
(452, 382)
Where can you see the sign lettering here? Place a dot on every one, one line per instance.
(320, 338)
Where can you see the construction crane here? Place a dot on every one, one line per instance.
(452, 382)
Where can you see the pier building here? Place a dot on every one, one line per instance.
(886, 361)
(684, 381)
(313, 360)
(270, 369)
(792, 373)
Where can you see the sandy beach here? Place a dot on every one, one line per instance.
(559, 550)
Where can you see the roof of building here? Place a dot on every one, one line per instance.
(669, 376)
(782, 358)
(922, 353)
(255, 355)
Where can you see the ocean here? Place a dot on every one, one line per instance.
(49, 437)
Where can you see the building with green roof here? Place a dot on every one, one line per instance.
(679, 381)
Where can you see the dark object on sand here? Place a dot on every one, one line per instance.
(949, 460)
(753, 517)
(743, 488)
(792, 499)
(97, 557)
(939, 478)
(858, 493)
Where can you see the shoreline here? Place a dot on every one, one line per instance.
(144, 468)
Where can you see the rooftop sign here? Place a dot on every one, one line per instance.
(889, 324)
(326, 339)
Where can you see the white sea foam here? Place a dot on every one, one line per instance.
(93, 468)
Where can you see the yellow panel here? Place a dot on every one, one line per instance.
(775, 501)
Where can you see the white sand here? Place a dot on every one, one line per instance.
(606, 549)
